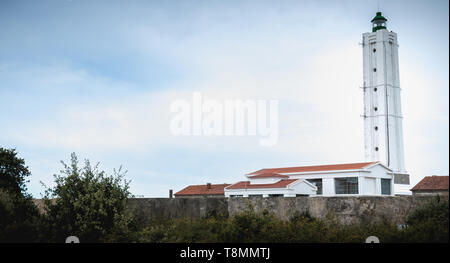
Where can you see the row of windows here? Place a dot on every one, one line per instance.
(375, 108)
(375, 50)
(375, 90)
(348, 185)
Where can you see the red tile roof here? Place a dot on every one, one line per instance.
(432, 183)
(214, 189)
(246, 184)
(316, 168)
(268, 175)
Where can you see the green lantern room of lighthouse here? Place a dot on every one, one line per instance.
(378, 22)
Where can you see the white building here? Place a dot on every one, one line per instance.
(383, 132)
(352, 179)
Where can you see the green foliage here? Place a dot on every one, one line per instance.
(87, 203)
(429, 223)
(303, 228)
(18, 214)
(13, 172)
(249, 226)
(18, 218)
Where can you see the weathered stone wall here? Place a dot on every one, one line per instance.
(347, 210)
(157, 208)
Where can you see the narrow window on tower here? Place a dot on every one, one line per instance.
(376, 149)
(376, 128)
(375, 89)
(375, 108)
(374, 50)
(374, 69)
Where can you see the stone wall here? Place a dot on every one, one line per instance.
(157, 208)
(347, 210)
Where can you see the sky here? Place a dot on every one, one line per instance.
(98, 77)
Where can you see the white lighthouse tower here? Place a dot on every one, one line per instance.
(383, 132)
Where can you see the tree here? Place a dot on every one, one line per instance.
(13, 172)
(87, 203)
(18, 214)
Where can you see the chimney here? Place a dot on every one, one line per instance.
(170, 193)
(208, 186)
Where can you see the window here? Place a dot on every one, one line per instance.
(255, 195)
(276, 195)
(374, 69)
(236, 195)
(318, 184)
(346, 185)
(375, 108)
(376, 149)
(386, 186)
(376, 128)
(375, 89)
(298, 195)
(374, 50)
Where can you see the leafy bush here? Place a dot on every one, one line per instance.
(87, 203)
(429, 223)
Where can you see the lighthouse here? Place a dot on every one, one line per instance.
(383, 132)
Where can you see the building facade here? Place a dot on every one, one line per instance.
(271, 187)
(383, 131)
(351, 179)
